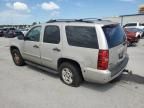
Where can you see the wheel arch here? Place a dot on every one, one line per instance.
(61, 60)
(13, 47)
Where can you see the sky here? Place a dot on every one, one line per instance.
(29, 11)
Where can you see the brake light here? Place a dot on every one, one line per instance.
(103, 59)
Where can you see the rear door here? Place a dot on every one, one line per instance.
(81, 44)
(51, 46)
(116, 40)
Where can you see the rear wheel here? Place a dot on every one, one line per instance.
(70, 74)
(17, 58)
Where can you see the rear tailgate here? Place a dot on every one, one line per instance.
(116, 40)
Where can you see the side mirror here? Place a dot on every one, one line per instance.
(26, 38)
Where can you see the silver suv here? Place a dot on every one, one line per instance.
(90, 50)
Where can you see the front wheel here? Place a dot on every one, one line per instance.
(70, 74)
(17, 58)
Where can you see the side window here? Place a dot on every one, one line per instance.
(141, 24)
(51, 34)
(34, 34)
(82, 36)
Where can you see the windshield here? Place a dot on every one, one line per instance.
(115, 35)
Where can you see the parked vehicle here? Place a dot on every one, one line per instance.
(141, 32)
(134, 25)
(133, 36)
(4, 31)
(1, 32)
(90, 50)
(11, 33)
(24, 31)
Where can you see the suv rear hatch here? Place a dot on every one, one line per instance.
(116, 40)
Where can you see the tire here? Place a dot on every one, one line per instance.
(17, 58)
(70, 74)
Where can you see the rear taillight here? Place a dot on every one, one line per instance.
(103, 59)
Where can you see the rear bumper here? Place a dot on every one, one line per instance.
(104, 76)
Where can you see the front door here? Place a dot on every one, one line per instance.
(32, 45)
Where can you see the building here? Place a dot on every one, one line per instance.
(141, 9)
(124, 19)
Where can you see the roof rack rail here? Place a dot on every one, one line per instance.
(88, 20)
(94, 19)
(61, 20)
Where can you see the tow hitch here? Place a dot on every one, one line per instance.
(128, 71)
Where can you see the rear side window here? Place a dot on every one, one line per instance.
(82, 36)
(115, 35)
(52, 34)
(141, 24)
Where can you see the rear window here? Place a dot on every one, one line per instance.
(82, 36)
(11, 28)
(5, 29)
(131, 24)
(115, 35)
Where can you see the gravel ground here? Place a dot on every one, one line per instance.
(28, 87)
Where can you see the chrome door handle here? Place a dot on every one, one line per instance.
(36, 46)
(56, 49)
